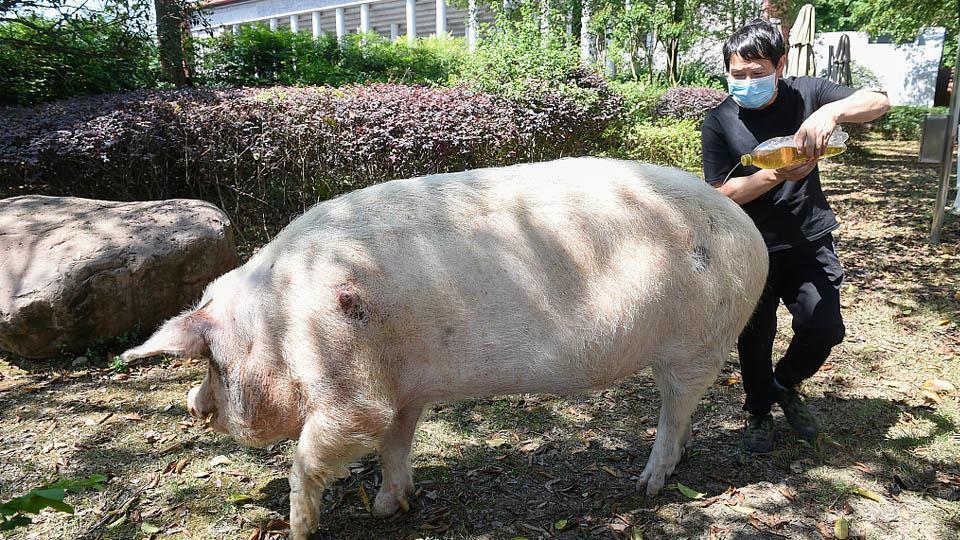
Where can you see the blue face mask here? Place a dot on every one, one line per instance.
(752, 93)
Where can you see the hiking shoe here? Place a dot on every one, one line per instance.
(758, 434)
(796, 412)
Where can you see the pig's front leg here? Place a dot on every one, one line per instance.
(682, 383)
(317, 462)
(395, 461)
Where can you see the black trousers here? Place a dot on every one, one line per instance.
(807, 279)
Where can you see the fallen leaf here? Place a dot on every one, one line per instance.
(201, 474)
(181, 463)
(824, 530)
(944, 322)
(731, 381)
(117, 523)
(277, 525)
(841, 528)
(220, 460)
(133, 417)
(255, 534)
(636, 534)
(364, 498)
(148, 528)
(560, 525)
(746, 510)
(939, 386)
(689, 493)
(864, 468)
(752, 518)
(867, 494)
(932, 397)
(237, 499)
(611, 471)
(786, 492)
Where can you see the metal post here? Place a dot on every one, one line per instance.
(294, 23)
(946, 159)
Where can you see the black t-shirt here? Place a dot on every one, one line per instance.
(792, 213)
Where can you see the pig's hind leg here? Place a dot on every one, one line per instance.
(395, 462)
(682, 382)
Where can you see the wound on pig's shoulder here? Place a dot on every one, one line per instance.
(348, 300)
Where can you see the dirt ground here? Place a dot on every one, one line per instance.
(560, 467)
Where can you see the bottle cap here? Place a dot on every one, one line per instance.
(746, 160)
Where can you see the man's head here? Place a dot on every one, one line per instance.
(754, 57)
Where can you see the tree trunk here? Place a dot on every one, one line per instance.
(172, 25)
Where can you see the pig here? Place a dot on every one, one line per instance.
(557, 277)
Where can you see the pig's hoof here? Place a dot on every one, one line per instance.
(651, 482)
(387, 504)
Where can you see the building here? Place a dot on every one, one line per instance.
(390, 18)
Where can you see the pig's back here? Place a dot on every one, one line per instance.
(555, 276)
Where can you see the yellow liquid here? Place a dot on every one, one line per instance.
(783, 157)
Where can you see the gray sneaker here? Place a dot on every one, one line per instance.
(759, 433)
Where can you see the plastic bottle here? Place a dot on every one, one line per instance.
(782, 152)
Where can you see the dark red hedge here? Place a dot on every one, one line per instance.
(283, 148)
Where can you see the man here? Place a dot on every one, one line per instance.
(789, 209)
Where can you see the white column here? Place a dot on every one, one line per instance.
(341, 25)
(394, 31)
(235, 28)
(364, 18)
(315, 22)
(441, 17)
(294, 23)
(411, 20)
(273, 23)
(569, 23)
(472, 25)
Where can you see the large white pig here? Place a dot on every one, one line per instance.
(557, 277)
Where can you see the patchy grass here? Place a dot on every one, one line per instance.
(544, 466)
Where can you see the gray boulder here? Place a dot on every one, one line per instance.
(73, 270)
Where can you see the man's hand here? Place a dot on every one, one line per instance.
(795, 172)
(812, 137)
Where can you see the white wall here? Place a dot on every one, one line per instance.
(907, 73)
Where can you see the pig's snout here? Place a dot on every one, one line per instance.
(196, 408)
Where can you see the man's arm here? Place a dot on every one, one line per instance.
(744, 189)
(861, 106)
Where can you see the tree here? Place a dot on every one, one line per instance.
(903, 21)
(50, 49)
(173, 29)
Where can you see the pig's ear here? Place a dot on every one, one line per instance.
(184, 335)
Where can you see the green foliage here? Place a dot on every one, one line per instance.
(902, 20)
(13, 512)
(673, 143)
(37, 64)
(640, 98)
(513, 59)
(257, 56)
(904, 122)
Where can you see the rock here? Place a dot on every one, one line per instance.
(80, 361)
(73, 270)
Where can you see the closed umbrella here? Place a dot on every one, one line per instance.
(800, 59)
(840, 70)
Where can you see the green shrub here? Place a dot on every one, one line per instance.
(673, 143)
(40, 63)
(640, 98)
(514, 59)
(904, 122)
(258, 56)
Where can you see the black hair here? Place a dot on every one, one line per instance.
(756, 40)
